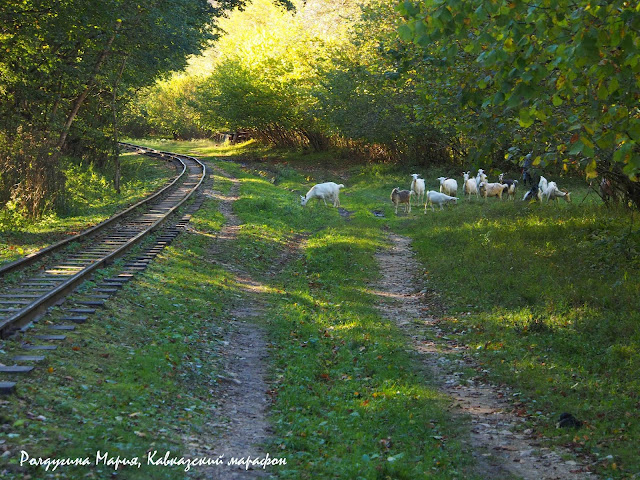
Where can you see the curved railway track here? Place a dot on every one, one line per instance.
(44, 286)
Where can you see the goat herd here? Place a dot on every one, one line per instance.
(478, 186)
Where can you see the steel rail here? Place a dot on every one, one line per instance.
(33, 257)
(34, 307)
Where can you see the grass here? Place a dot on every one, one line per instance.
(349, 402)
(545, 296)
(548, 298)
(135, 379)
(91, 199)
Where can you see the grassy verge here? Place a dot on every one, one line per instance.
(350, 400)
(91, 200)
(137, 378)
(546, 296)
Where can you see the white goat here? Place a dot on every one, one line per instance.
(448, 186)
(417, 187)
(510, 186)
(536, 192)
(480, 177)
(542, 186)
(552, 192)
(470, 185)
(402, 196)
(325, 191)
(438, 198)
(491, 190)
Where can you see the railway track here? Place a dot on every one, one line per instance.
(60, 269)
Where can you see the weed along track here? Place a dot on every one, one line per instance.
(60, 271)
(499, 447)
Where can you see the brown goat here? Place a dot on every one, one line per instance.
(401, 196)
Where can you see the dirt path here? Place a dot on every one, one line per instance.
(243, 402)
(501, 451)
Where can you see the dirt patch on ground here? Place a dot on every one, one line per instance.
(240, 426)
(502, 450)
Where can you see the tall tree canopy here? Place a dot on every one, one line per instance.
(65, 64)
(266, 67)
(561, 78)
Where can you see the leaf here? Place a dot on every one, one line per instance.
(508, 45)
(586, 141)
(395, 457)
(576, 148)
(405, 32)
(634, 130)
(622, 153)
(603, 93)
(411, 8)
(524, 118)
(591, 170)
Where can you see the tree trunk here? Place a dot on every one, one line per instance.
(116, 150)
(81, 98)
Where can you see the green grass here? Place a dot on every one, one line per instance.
(91, 199)
(351, 402)
(137, 377)
(545, 296)
(548, 297)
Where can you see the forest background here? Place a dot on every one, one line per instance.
(450, 83)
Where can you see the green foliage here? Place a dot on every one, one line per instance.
(90, 200)
(368, 96)
(323, 71)
(558, 78)
(165, 109)
(74, 63)
(262, 75)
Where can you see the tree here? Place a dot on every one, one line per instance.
(265, 67)
(369, 92)
(564, 73)
(61, 57)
